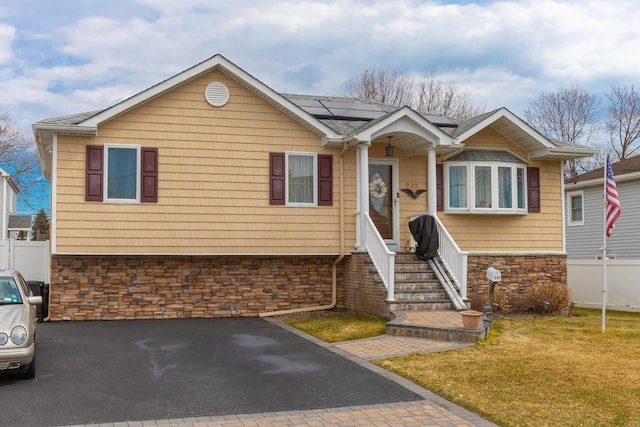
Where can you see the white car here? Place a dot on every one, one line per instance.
(18, 312)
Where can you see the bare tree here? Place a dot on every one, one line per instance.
(444, 98)
(384, 85)
(623, 121)
(567, 115)
(427, 94)
(18, 157)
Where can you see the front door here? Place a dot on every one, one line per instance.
(383, 199)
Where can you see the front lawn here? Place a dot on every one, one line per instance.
(343, 328)
(533, 371)
(541, 371)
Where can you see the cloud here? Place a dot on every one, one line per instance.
(501, 52)
(7, 35)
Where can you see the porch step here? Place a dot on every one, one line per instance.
(417, 288)
(421, 306)
(439, 325)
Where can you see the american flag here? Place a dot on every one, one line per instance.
(612, 200)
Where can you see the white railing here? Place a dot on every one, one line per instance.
(380, 254)
(453, 258)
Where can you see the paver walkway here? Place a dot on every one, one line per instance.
(432, 411)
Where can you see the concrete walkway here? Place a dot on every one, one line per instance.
(433, 410)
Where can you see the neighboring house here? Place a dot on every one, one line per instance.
(211, 194)
(585, 238)
(9, 202)
(20, 227)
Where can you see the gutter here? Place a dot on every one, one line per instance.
(334, 267)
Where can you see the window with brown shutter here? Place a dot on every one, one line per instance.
(146, 171)
(94, 173)
(322, 188)
(533, 189)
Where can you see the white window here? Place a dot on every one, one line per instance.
(575, 208)
(302, 175)
(485, 187)
(122, 180)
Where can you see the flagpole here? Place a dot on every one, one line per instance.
(604, 244)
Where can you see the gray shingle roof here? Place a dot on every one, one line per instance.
(72, 119)
(19, 222)
(622, 167)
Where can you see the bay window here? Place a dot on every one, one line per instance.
(485, 187)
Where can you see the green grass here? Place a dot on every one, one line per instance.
(532, 371)
(344, 328)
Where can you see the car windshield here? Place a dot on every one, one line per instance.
(9, 293)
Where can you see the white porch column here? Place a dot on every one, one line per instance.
(432, 191)
(362, 195)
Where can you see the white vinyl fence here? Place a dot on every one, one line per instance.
(30, 258)
(623, 283)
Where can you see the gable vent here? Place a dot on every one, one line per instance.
(216, 94)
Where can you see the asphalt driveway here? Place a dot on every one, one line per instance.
(97, 372)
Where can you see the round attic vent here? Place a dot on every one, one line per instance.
(216, 94)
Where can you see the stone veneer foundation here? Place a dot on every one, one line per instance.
(153, 287)
(519, 272)
(165, 287)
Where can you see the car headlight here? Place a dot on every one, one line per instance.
(3, 338)
(19, 335)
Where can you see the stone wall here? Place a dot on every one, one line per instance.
(519, 272)
(161, 287)
(364, 292)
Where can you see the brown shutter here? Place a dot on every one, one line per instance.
(533, 189)
(440, 187)
(276, 178)
(94, 173)
(149, 175)
(325, 180)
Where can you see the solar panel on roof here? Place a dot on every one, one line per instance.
(353, 110)
(439, 120)
(356, 114)
(350, 105)
(317, 111)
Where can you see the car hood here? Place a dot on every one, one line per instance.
(10, 316)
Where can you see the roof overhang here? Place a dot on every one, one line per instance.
(411, 131)
(599, 182)
(523, 135)
(230, 69)
(44, 131)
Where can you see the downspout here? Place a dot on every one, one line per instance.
(334, 267)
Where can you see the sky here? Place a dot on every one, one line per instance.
(69, 56)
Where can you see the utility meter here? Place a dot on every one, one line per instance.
(494, 275)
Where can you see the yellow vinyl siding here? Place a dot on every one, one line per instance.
(213, 182)
(531, 232)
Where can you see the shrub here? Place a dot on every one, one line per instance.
(542, 298)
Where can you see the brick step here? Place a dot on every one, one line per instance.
(415, 276)
(421, 306)
(434, 332)
(412, 266)
(418, 296)
(418, 287)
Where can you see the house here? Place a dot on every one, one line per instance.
(585, 238)
(9, 202)
(211, 194)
